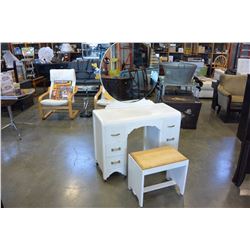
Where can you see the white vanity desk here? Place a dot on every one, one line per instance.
(113, 124)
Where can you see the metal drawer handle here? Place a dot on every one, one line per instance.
(115, 162)
(115, 149)
(171, 139)
(115, 134)
(171, 126)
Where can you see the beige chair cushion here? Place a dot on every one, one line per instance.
(237, 98)
(157, 157)
(234, 84)
(51, 102)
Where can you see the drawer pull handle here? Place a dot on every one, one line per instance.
(171, 139)
(115, 149)
(115, 162)
(115, 134)
(171, 126)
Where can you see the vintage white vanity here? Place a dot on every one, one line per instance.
(113, 124)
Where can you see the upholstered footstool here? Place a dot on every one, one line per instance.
(153, 161)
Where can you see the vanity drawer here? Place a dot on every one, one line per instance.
(114, 134)
(172, 127)
(172, 131)
(116, 162)
(116, 148)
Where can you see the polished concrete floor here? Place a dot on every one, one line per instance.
(54, 166)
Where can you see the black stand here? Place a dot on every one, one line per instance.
(215, 104)
(243, 134)
(243, 167)
(85, 112)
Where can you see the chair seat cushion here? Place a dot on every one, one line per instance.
(237, 98)
(157, 157)
(51, 102)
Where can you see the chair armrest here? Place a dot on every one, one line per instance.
(223, 91)
(70, 96)
(75, 90)
(43, 95)
(97, 96)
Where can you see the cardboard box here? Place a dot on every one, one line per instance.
(172, 49)
(201, 49)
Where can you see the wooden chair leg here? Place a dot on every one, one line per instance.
(72, 113)
(40, 108)
(47, 115)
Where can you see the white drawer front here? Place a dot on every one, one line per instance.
(172, 131)
(172, 140)
(116, 148)
(113, 134)
(116, 163)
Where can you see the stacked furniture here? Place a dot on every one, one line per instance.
(183, 51)
(177, 88)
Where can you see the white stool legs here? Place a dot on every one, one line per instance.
(135, 179)
(179, 176)
(176, 171)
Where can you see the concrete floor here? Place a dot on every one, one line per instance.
(54, 166)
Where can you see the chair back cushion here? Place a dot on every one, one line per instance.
(62, 76)
(234, 84)
(61, 90)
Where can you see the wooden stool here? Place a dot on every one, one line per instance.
(153, 161)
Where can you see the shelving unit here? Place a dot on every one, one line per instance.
(244, 50)
(11, 46)
(183, 51)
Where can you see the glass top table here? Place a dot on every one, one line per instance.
(8, 101)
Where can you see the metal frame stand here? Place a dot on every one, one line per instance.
(85, 112)
(12, 122)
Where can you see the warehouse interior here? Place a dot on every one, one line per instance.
(52, 159)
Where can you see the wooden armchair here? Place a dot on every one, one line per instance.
(105, 98)
(58, 105)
